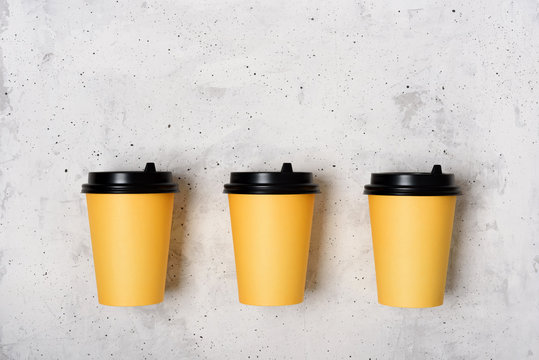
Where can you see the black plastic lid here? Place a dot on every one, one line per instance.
(284, 182)
(148, 181)
(413, 183)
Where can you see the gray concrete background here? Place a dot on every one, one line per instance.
(340, 88)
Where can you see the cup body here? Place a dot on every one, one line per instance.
(271, 235)
(411, 240)
(130, 241)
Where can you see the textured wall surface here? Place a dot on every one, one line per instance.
(340, 88)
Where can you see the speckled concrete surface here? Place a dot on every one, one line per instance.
(341, 88)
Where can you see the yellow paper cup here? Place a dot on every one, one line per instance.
(411, 221)
(130, 215)
(271, 215)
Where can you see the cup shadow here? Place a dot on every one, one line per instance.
(459, 226)
(317, 235)
(177, 235)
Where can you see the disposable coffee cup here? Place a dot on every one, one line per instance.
(130, 214)
(411, 220)
(271, 215)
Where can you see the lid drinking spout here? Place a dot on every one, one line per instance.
(436, 170)
(150, 167)
(287, 167)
